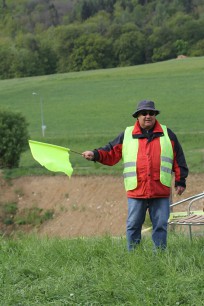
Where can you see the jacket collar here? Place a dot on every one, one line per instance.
(138, 130)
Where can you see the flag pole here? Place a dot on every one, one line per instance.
(75, 152)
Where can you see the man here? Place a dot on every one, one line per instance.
(150, 152)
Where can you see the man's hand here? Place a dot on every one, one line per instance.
(89, 155)
(179, 190)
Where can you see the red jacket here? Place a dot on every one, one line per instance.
(148, 161)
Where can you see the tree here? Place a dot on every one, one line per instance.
(100, 24)
(181, 47)
(128, 48)
(159, 44)
(26, 60)
(197, 49)
(164, 52)
(64, 38)
(41, 37)
(91, 52)
(4, 5)
(6, 57)
(143, 2)
(14, 138)
(86, 10)
(188, 5)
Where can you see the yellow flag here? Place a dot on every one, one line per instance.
(52, 157)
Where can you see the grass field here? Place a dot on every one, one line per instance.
(99, 271)
(84, 110)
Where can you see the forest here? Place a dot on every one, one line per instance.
(41, 37)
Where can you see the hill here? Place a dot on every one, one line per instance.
(85, 110)
(49, 37)
(83, 206)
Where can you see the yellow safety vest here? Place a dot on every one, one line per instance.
(129, 155)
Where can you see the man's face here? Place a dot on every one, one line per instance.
(147, 119)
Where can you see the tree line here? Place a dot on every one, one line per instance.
(55, 36)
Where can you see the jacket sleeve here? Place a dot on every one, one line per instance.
(179, 164)
(111, 153)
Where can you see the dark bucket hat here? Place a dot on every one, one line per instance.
(145, 105)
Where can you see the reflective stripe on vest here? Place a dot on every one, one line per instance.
(166, 163)
(129, 153)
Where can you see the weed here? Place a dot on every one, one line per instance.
(33, 216)
(10, 208)
(66, 195)
(63, 209)
(19, 192)
(8, 212)
(75, 207)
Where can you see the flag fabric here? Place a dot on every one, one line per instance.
(52, 157)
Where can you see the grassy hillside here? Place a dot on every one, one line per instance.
(99, 271)
(84, 110)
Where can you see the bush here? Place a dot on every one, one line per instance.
(163, 53)
(14, 138)
(8, 212)
(197, 49)
(33, 216)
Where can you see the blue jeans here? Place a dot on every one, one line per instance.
(159, 210)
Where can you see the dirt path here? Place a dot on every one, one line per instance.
(83, 206)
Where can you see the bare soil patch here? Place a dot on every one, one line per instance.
(83, 206)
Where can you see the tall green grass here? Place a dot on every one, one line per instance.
(100, 271)
(84, 110)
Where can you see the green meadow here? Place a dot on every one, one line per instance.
(85, 110)
(93, 272)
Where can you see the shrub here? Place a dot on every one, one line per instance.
(33, 216)
(14, 138)
(8, 212)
